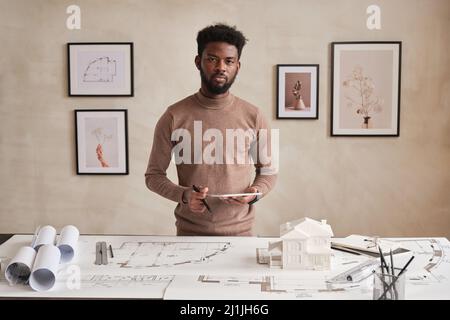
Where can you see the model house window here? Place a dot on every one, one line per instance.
(294, 246)
(294, 259)
(318, 259)
(320, 241)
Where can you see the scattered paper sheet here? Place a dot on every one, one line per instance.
(173, 267)
(366, 244)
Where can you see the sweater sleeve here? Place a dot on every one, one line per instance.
(266, 162)
(161, 153)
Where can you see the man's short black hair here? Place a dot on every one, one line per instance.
(220, 33)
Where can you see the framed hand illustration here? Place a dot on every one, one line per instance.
(101, 141)
(100, 69)
(297, 91)
(365, 98)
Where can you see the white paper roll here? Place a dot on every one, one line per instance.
(19, 268)
(46, 235)
(67, 242)
(45, 268)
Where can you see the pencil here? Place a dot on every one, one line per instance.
(383, 265)
(395, 280)
(392, 263)
(110, 249)
(203, 200)
(383, 262)
(406, 265)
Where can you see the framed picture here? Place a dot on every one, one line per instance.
(101, 141)
(100, 69)
(365, 97)
(297, 91)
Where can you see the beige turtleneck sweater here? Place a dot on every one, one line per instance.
(229, 112)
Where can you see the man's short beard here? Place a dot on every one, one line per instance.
(215, 89)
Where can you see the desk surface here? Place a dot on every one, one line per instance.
(169, 267)
(4, 237)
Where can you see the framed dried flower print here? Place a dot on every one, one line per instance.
(100, 69)
(297, 91)
(101, 141)
(365, 97)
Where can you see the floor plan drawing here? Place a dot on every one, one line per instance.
(270, 287)
(102, 69)
(114, 281)
(167, 254)
(432, 260)
(170, 267)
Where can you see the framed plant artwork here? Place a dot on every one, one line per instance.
(101, 141)
(100, 69)
(297, 91)
(365, 97)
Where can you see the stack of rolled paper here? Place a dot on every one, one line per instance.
(38, 263)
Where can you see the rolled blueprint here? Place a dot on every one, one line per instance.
(67, 242)
(19, 269)
(46, 235)
(45, 268)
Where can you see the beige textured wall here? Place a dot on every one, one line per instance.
(375, 186)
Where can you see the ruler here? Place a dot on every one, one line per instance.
(357, 273)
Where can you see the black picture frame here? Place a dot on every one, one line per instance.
(297, 91)
(101, 140)
(100, 69)
(365, 88)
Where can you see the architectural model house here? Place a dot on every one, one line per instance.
(304, 244)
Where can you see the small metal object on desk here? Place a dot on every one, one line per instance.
(101, 253)
(104, 253)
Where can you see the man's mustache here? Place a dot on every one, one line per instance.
(222, 75)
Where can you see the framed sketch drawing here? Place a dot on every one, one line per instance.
(297, 91)
(100, 69)
(101, 141)
(365, 97)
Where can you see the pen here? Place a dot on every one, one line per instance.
(110, 249)
(203, 200)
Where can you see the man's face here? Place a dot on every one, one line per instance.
(218, 65)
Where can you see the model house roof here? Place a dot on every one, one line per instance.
(276, 247)
(305, 228)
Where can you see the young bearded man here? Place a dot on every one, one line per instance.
(218, 140)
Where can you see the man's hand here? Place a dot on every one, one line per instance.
(194, 199)
(242, 200)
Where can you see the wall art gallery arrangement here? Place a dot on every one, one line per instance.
(365, 96)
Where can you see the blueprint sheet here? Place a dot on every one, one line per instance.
(170, 267)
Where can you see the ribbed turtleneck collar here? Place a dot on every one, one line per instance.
(212, 103)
